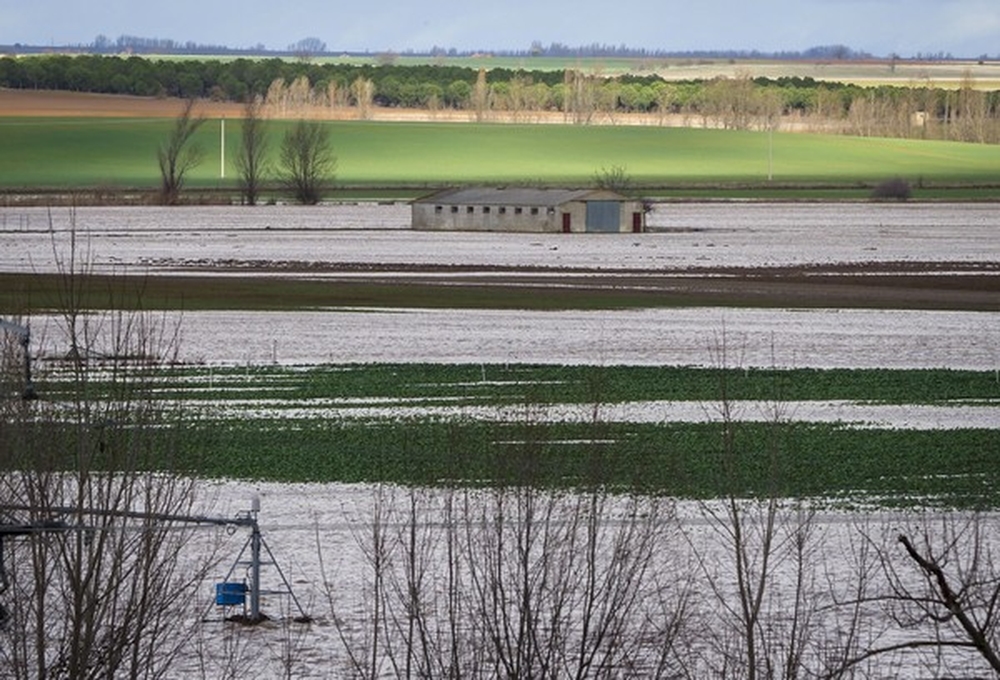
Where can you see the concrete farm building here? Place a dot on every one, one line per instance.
(527, 209)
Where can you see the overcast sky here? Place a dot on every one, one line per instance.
(963, 28)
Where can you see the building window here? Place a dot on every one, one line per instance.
(470, 210)
(551, 211)
(437, 210)
(454, 208)
(534, 211)
(502, 210)
(517, 210)
(486, 210)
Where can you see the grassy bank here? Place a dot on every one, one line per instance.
(117, 154)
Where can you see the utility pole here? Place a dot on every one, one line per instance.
(222, 148)
(770, 150)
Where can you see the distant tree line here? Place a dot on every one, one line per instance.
(833, 52)
(132, 44)
(288, 86)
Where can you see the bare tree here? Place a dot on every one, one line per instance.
(307, 161)
(666, 97)
(178, 155)
(940, 593)
(251, 160)
(94, 582)
(363, 94)
(481, 97)
(516, 581)
(758, 559)
(276, 99)
(608, 94)
(580, 97)
(968, 599)
(306, 48)
(971, 118)
(614, 178)
(299, 95)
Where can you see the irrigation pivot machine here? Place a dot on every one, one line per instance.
(229, 593)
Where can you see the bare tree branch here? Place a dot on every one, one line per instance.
(952, 601)
(178, 155)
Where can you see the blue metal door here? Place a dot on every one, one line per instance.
(603, 216)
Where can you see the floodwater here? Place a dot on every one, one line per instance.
(682, 236)
(302, 523)
(322, 536)
(780, 338)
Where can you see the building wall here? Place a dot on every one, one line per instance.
(430, 216)
(486, 218)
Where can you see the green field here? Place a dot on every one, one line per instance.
(121, 153)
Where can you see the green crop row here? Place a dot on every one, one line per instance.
(474, 384)
(687, 460)
(955, 467)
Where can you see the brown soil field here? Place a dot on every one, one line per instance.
(47, 103)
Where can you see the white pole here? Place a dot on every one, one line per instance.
(770, 150)
(222, 149)
(255, 541)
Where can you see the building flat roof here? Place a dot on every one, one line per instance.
(529, 196)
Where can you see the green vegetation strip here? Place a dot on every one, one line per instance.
(839, 462)
(88, 153)
(687, 460)
(503, 384)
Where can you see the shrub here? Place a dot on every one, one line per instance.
(897, 189)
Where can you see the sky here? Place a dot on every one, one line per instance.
(961, 28)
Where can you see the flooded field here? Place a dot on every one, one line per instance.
(322, 538)
(682, 237)
(687, 337)
(321, 533)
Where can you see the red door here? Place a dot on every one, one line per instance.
(636, 222)
(566, 223)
